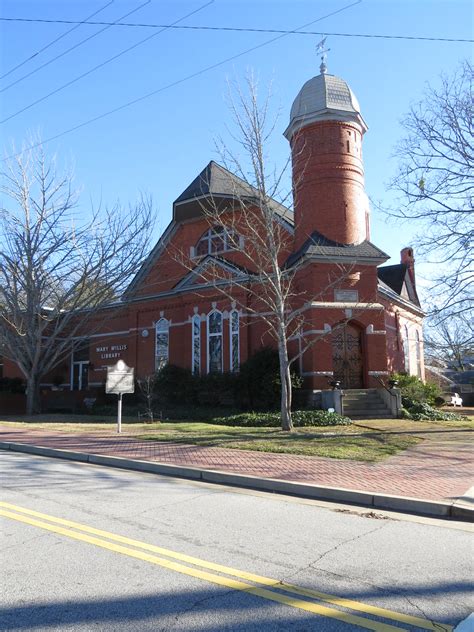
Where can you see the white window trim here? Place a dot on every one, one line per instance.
(79, 364)
(207, 236)
(209, 336)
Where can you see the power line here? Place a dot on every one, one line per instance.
(54, 41)
(245, 30)
(74, 47)
(101, 65)
(180, 81)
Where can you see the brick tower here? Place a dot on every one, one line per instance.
(325, 134)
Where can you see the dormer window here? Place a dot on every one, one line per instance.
(217, 239)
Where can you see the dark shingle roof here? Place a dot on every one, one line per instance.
(397, 277)
(215, 180)
(393, 276)
(320, 247)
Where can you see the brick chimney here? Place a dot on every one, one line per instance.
(407, 258)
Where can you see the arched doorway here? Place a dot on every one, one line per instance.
(347, 356)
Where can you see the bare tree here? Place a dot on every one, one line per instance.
(58, 267)
(451, 342)
(147, 387)
(435, 181)
(258, 232)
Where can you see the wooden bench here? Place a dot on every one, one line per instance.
(456, 400)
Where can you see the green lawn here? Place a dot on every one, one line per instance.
(339, 443)
(370, 440)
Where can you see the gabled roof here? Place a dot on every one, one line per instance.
(214, 180)
(150, 261)
(195, 278)
(320, 247)
(217, 182)
(391, 295)
(398, 279)
(393, 276)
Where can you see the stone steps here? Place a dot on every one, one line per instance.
(365, 404)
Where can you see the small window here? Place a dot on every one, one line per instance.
(162, 343)
(217, 239)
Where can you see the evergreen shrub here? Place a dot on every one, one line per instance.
(256, 386)
(175, 385)
(301, 418)
(421, 411)
(12, 385)
(417, 390)
(259, 380)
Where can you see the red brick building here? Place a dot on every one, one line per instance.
(368, 324)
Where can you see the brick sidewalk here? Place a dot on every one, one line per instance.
(439, 468)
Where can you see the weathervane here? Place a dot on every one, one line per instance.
(322, 50)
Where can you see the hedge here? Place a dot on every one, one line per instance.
(301, 418)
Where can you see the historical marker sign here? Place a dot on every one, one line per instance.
(120, 379)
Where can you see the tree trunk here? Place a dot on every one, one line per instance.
(33, 403)
(285, 378)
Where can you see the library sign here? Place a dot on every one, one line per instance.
(110, 352)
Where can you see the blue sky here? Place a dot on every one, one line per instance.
(160, 144)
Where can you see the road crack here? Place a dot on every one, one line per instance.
(312, 565)
(196, 604)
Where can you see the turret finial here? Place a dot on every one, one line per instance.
(322, 50)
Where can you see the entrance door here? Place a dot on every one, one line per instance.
(347, 357)
(80, 376)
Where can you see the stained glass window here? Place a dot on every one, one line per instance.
(214, 336)
(234, 340)
(196, 326)
(162, 343)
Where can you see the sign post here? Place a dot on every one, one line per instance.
(120, 380)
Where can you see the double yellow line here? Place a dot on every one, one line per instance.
(265, 587)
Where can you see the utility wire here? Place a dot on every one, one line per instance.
(74, 47)
(41, 50)
(104, 63)
(246, 30)
(179, 81)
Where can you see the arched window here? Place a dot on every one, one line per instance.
(196, 333)
(217, 239)
(406, 349)
(234, 340)
(214, 342)
(418, 354)
(162, 343)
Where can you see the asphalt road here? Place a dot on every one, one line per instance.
(92, 548)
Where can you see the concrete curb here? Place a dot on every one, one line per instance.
(419, 506)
